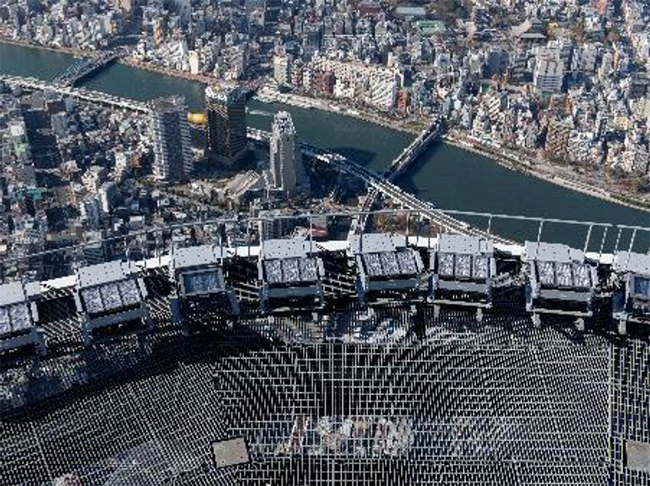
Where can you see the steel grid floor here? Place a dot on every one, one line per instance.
(393, 399)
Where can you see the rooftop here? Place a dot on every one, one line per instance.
(388, 394)
(436, 400)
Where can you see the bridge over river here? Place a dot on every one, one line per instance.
(83, 68)
(378, 184)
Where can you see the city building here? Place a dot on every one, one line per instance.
(107, 195)
(226, 131)
(549, 72)
(171, 137)
(126, 6)
(286, 159)
(557, 138)
(281, 66)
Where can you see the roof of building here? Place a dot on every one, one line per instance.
(224, 94)
(499, 403)
(431, 27)
(411, 12)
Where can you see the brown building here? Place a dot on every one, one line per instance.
(602, 6)
(557, 138)
(159, 32)
(324, 82)
(403, 100)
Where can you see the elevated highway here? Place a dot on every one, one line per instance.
(378, 185)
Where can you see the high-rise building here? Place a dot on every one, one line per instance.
(281, 69)
(226, 114)
(548, 77)
(272, 10)
(286, 160)
(171, 138)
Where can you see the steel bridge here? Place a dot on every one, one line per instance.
(414, 150)
(377, 183)
(82, 68)
(397, 168)
(90, 96)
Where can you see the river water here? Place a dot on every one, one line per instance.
(449, 177)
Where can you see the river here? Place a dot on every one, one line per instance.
(449, 177)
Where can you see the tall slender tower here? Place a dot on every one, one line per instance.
(171, 138)
(226, 133)
(286, 160)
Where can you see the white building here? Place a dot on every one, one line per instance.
(549, 72)
(107, 195)
(286, 159)
(281, 67)
(171, 137)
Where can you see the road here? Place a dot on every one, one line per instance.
(373, 180)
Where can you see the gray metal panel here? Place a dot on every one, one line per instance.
(376, 243)
(570, 295)
(32, 289)
(13, 342)
(552, 252)
(230, 452)
(632, 262)
(202, 281)
(294, 248)
(102, 273)
(308, 269)
(12, 293)
(117, 318)
(273, 271)
(638, 455)
(408, 263)
(290, 270)
(455, 285)
(372, 263)
(195, 256)
(290, 292)
(393, 284)
(459, 244)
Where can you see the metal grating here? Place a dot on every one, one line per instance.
(458, 407)
(629, 407)
(395, 397)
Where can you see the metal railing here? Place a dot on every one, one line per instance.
(244, 235)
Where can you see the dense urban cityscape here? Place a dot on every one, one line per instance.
(556, 81)
(557, 91)
(325, 242)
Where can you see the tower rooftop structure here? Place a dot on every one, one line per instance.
(225, 94)
(167, 104)
(393, 393)
(283, 123)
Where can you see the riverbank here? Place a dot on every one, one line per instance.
(525, 165)
(308, 103)
(200, 78)
(511, 160)
(64, 50)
